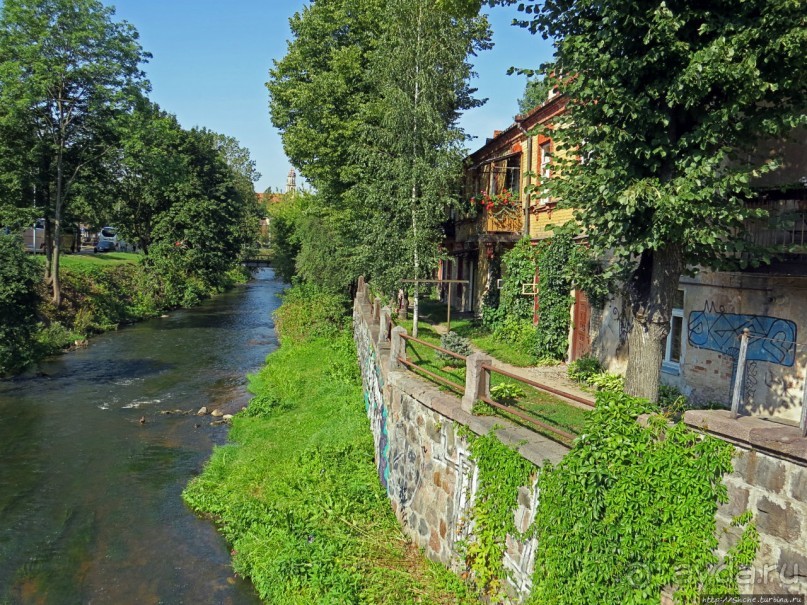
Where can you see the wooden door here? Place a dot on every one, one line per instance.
(581, 326)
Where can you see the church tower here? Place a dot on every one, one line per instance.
(291, 181)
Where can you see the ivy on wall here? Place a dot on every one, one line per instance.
(628, 512)
(508, 312)
(554, 296)
(631, 510)
(501, 472)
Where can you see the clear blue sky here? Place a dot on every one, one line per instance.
(211, 59)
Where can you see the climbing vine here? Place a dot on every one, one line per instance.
(554, 300)
(560, 262)
(631, 509)
(501, 472)
(507, 311)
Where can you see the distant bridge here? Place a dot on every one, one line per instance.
(258, 260)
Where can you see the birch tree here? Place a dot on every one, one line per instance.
(414, 145)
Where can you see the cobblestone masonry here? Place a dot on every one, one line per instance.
(424, 464)
(425, 467)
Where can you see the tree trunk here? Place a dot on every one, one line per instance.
(48, 250)
(57, 233)
(652, 290)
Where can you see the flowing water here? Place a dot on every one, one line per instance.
(90, 506)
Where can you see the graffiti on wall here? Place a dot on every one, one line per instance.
(773, 338)
(376, 410)
(621, 322)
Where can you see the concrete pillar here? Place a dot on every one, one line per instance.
(383, 326)
(397, 348)
(376, 308)
(477, 380)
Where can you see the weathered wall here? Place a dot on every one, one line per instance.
(424, 463)
(770, 480)
(717, 307)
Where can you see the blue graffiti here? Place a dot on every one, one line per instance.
(716, 330)
(383, 449)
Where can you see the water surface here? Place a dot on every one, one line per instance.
(90, 506)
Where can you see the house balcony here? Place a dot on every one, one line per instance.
(503, 221)
(783, 233)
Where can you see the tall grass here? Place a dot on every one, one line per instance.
(297, 493)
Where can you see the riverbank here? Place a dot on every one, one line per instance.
(296, 492)
(100, 293)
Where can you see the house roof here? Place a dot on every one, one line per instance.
(526, 121)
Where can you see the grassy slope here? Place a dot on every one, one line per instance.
(298, 496)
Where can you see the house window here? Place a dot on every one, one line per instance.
(675, 339)
(546, 172)
(513, 176)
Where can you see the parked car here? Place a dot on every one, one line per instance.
(105, 245)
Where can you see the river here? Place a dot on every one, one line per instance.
(90, 506)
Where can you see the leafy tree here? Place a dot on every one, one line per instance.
(318, 88)
(202, 234)
(414, 147)
(67, 72)
(666, 100)
(284, 235)
(150, 172)
(535, 93)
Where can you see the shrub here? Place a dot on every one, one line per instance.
(581, 370)
(606, 381)
(507, 392)
(18, 275)
(309, 312)
(456, 344)
(672, 401)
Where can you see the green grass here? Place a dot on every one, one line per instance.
(541, 405)
(297, 493)
(435, 313)
(103, 259)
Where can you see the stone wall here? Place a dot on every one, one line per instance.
(424, 463)
(770, 480)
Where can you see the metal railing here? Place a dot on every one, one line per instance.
(478, 371)
(785, 227)
(436, 377)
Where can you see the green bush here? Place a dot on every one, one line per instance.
(456, 344)
(18, 276)
(310, 312)
(607, 381)
(581, 370)
(506, 392)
